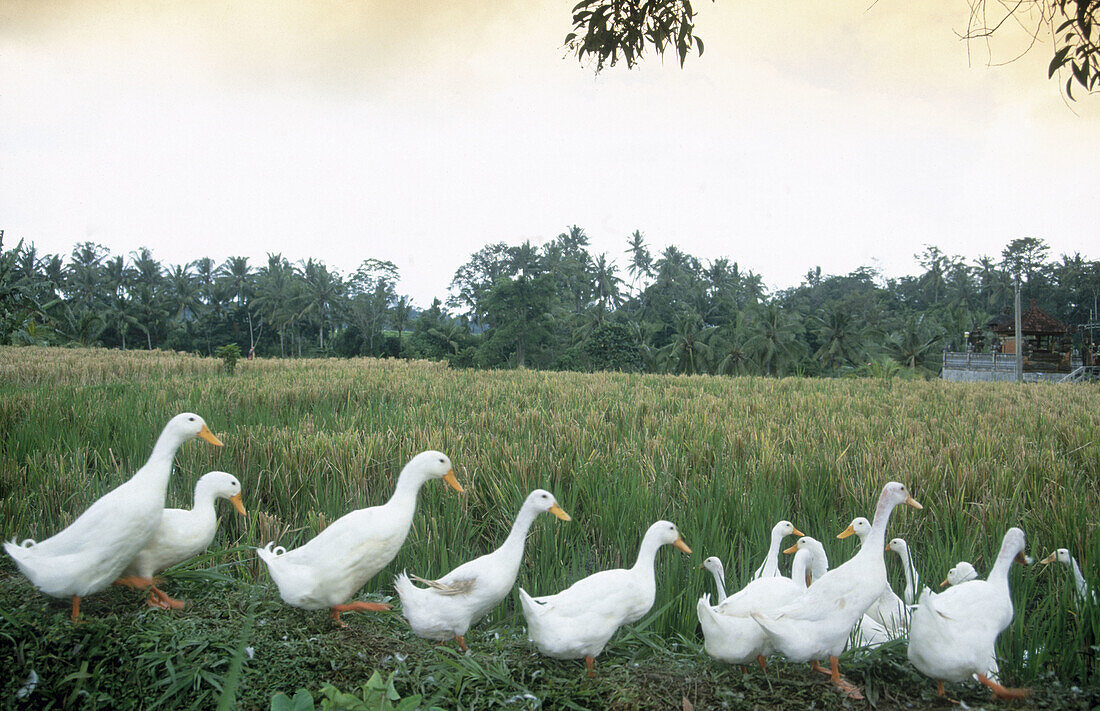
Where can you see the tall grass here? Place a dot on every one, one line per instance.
(723, 458)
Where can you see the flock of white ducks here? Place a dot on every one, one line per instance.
(127, 536)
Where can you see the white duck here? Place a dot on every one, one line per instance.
(867, 633)
(908, 566)
(962, 572)
(770, 567)
(89, 554)
(714, 565)
(579, 621)
(730, 634)
(953, 634)
(330, 568)
(818, 623)
(448, 606)
(183, 534)
(888, 612)
(1084, 593)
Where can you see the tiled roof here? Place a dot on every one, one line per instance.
(1033, 321)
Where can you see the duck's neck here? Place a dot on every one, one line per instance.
(404, 494)
(799, 566)
(911, 577)
(819, 565)
(158, 467)
(205, 497)
(999, 572)
(1078, 578)
(511, 551)
(875, 543)
(773, 551)
(647, 554)
(717, 573)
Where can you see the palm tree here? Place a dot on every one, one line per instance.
(688, 352)
(641, 261)
(399, 315)
(731, 348)
(914, 342)
(841, 338)
(236, 275)
(183, 293)
(774, 342)
(276, 293)
(607, 283)
(322, 290)
(119, 282)
(146, 292)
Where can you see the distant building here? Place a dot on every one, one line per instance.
(1047, 344)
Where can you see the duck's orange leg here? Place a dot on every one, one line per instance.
(76, 609)
(850, 690)
(461, 643)
(135, 582)
(1002, 692)
(762, 662)
(819, 669)
(590, 665)
(357, 606)
(161, 599)
(939, 689)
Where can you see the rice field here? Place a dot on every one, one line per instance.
(723, 458)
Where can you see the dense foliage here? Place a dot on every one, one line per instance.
(550, 306)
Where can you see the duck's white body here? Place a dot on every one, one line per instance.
(953, 634)
(889, 617)
(770, 567)
(579, 621)
(330, 568)
(92, 552)
(183, 534)
(730, 633)
(448, 606)
(818, 623)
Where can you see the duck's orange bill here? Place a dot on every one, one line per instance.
(1022, 558)
(913, 502)
(796, 532)
(557, 511)
(792, 549)
(449, 477)
(945, 583)
(1050, 558)
(846, 532)
(206, 434)
(679, 543)
(238, 504)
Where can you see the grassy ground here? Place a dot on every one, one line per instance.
(723, 458)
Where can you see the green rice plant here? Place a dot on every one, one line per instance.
(723, 458)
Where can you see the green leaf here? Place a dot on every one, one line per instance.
(303, 701)
(1058, 61)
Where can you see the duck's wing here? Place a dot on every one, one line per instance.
(462, 586)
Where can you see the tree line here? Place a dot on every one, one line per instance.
(553, 306)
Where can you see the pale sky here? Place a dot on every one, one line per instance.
(837, 134)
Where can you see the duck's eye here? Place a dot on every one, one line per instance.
(441, 461)
(190, 419)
